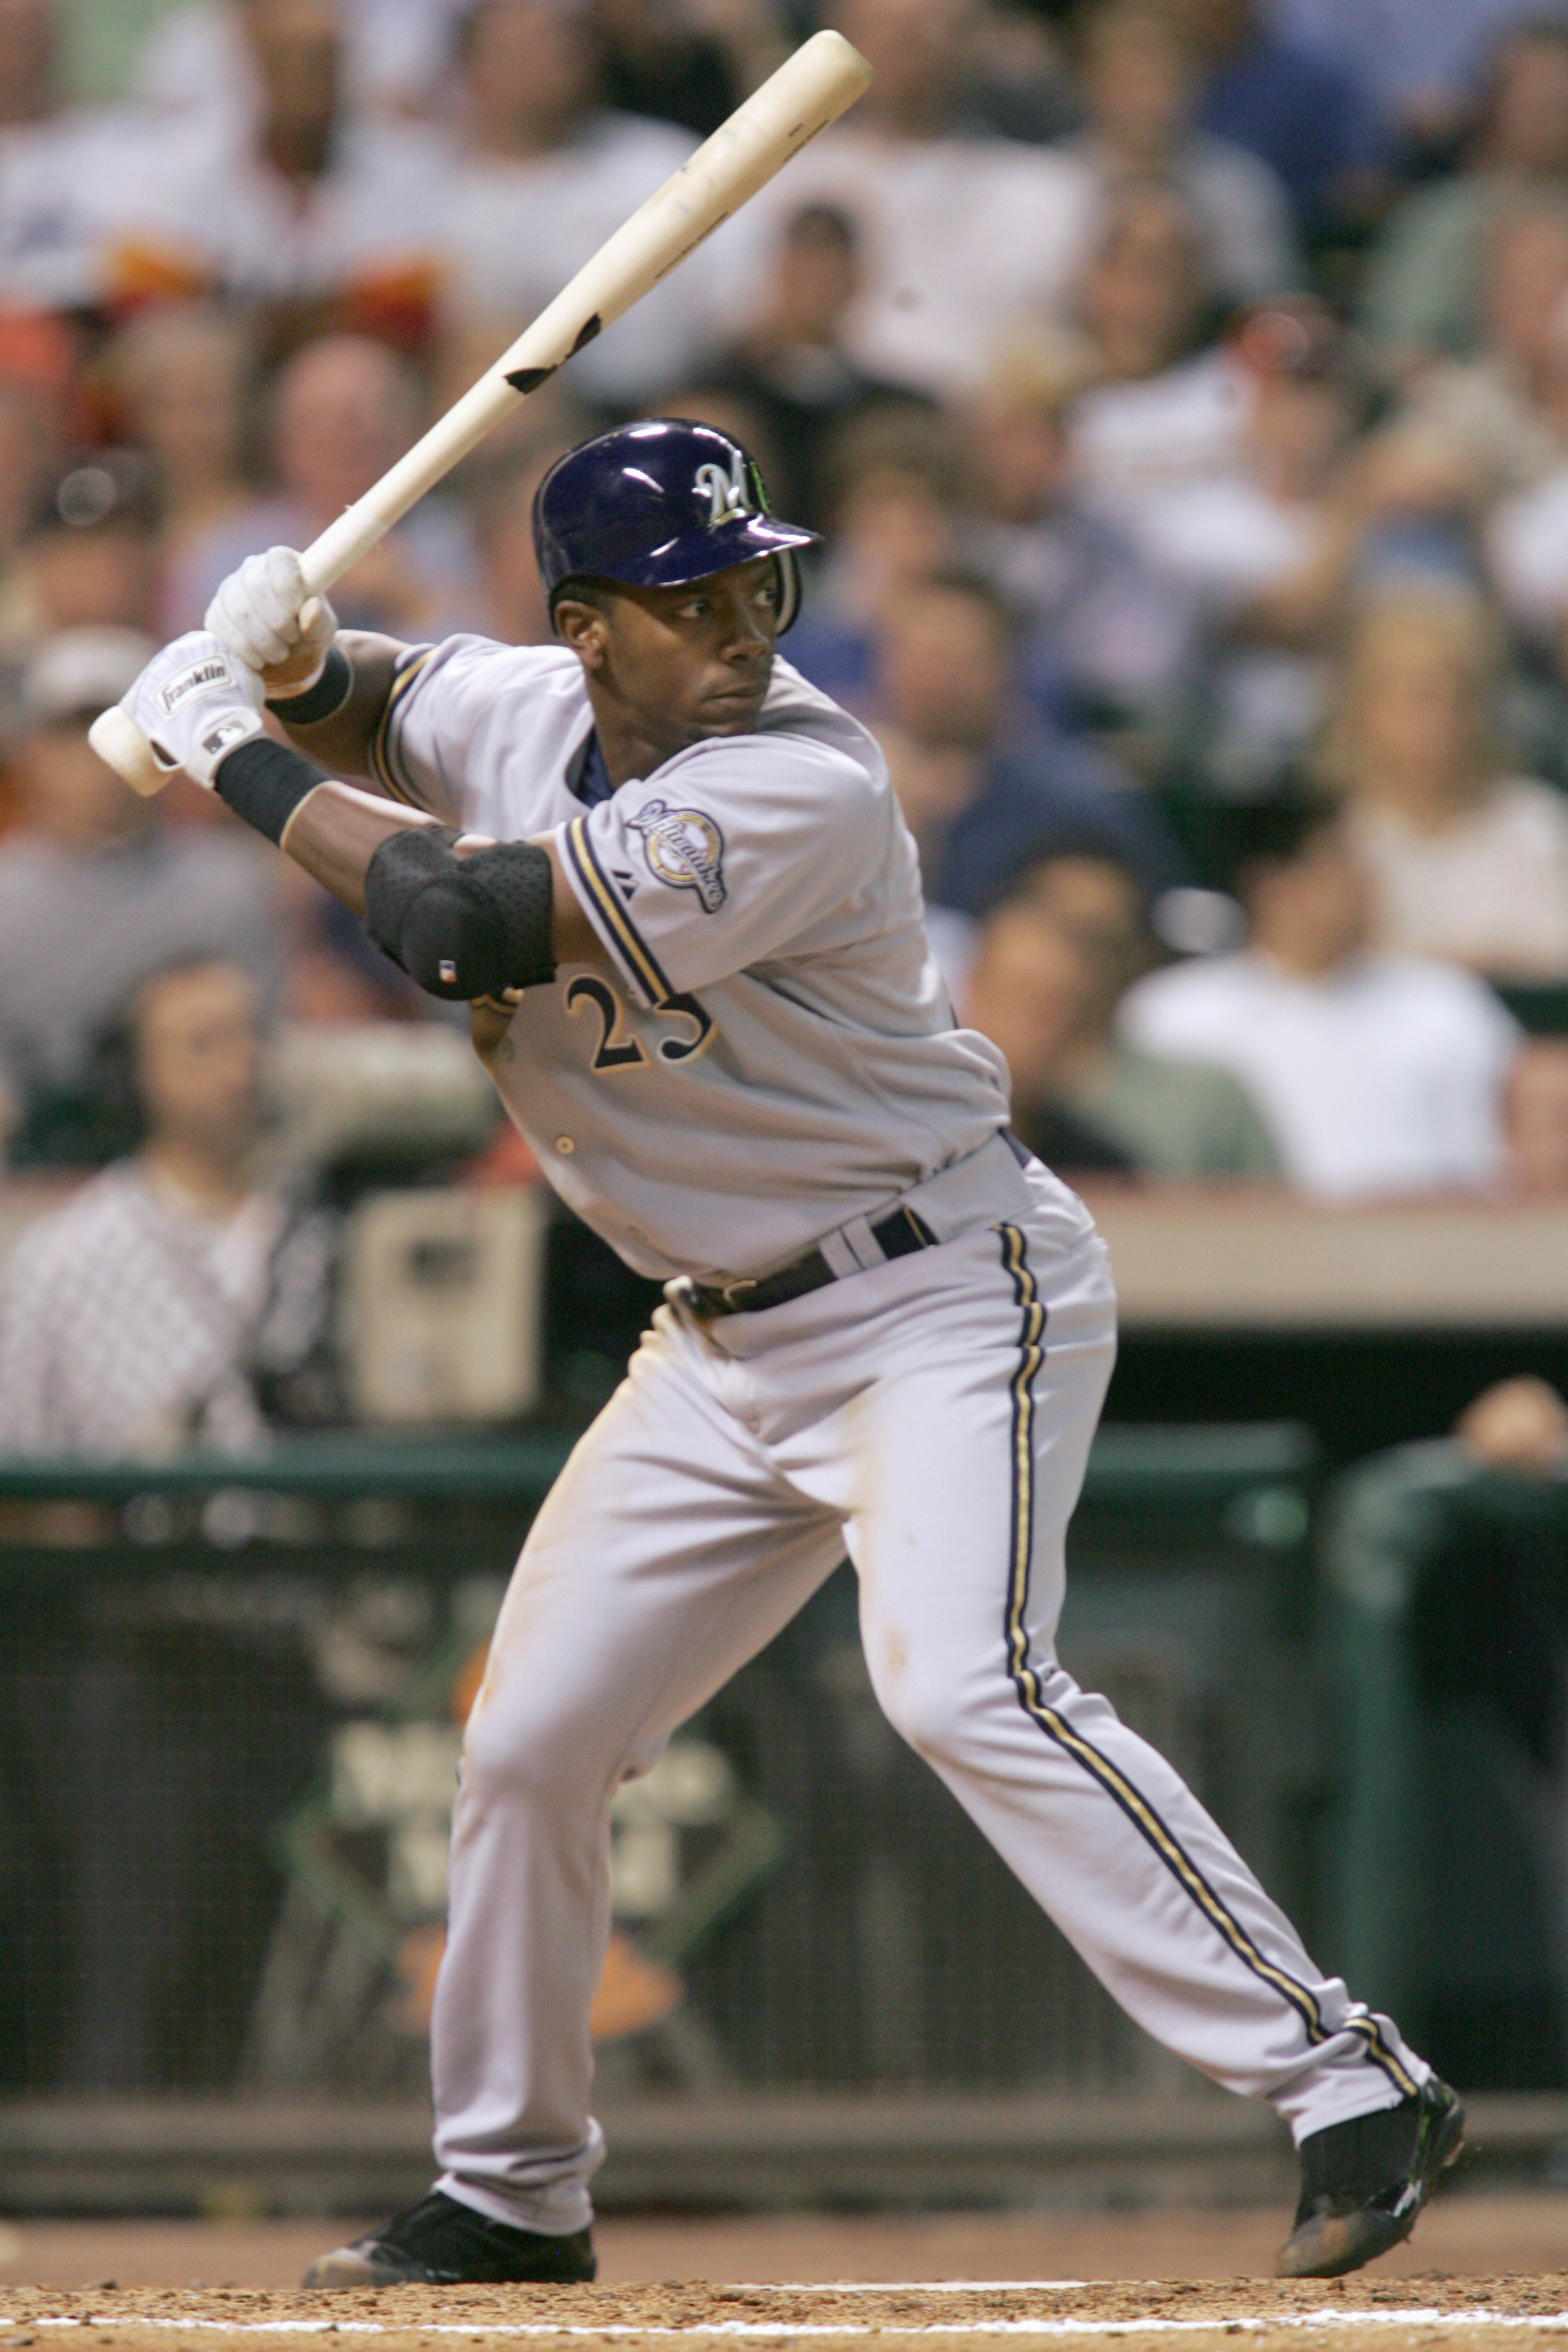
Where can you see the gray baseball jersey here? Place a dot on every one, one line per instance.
(771, 1051)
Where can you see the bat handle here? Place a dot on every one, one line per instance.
(118, 743)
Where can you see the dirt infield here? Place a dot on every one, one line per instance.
(1484, 2270)
(1462, 2235)
(1358, 2315)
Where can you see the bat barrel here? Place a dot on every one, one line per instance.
(810, 90)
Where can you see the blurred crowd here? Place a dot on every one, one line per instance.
(1180, 388)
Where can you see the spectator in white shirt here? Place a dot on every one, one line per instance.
(1524, 536)
(965, 236)
(1267, 544)
(548, 174)
(1377, 1074)
(1138, 79)
(156, 1308)
(1471, 859)
(1170, 408)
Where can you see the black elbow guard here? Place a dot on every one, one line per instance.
(461, 927)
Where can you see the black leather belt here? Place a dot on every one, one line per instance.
(897, 1234)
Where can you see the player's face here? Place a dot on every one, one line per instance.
(683, 664)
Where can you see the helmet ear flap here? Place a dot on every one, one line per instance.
(789, 587)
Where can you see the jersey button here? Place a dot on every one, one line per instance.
(564, 1145)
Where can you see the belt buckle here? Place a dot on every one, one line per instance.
(731, 1292)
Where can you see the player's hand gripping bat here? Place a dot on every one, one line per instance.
(810, 90)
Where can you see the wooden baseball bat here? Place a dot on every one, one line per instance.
(810, 90)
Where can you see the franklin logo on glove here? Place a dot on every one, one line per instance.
(215, 671)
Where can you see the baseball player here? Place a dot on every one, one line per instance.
(672, 881)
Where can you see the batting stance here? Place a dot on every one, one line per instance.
(673, 882)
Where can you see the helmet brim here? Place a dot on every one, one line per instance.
(696, 555)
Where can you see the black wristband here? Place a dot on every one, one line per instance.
(264, 782)
(323, 699)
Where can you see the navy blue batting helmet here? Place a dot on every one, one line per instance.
(657, 504)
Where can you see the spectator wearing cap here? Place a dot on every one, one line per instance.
(96, 891)
(342, 410)
(1298, 109)
(791, 365)
(1470, 858)
(547, 172)
(1053, 962)
(1137, 73)
(1377, 1074)
(981, 781)
(1422, 297)
(964, 236)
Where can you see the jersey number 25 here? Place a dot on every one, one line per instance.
(619, 1048)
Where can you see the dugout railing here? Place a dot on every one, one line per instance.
(1446, 1887)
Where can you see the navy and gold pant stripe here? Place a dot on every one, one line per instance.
(1124, 1792)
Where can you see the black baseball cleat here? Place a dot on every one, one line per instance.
(443, 2243)
(1364, 2182)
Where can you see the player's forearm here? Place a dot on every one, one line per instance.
(342, 740)
(336, 832)
(503, 925)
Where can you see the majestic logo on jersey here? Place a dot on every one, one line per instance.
(684, 848)
(726, 492)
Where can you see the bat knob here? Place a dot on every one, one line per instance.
(118, 743)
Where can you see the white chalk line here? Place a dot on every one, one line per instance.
(777, 2331)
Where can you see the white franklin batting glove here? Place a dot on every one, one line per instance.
(195, 704)
(266, 616)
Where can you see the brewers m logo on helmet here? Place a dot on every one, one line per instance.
(683, 848)
(725, 492)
